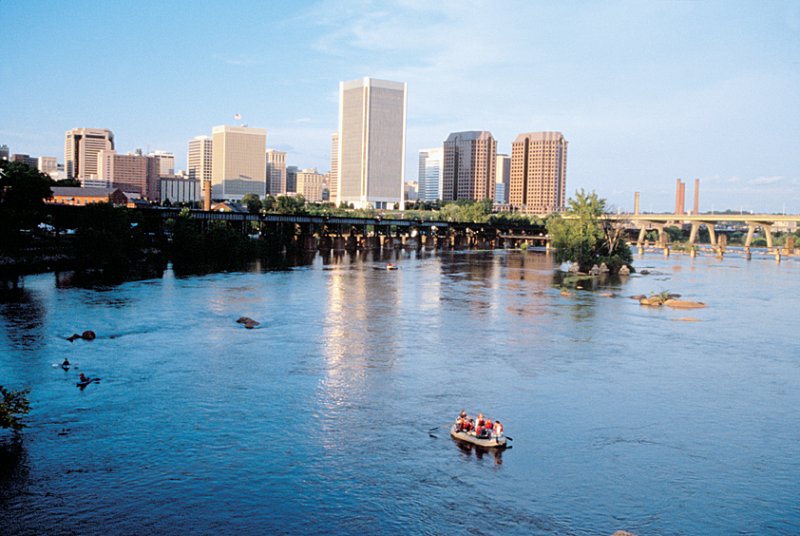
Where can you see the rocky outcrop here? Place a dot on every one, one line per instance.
(248, 322)
(684, 304)
(87, 335)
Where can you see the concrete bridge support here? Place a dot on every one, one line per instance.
(751, 229)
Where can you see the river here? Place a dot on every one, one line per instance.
(331, 416)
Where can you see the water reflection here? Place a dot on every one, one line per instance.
(359, 338)
(469, 450)
(23, 313)
(14, 470)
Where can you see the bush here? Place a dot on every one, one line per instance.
(13, 404)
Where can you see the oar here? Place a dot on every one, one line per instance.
(510, 438)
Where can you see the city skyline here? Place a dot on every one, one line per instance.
(663, 91)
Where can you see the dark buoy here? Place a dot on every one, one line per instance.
(88, 335)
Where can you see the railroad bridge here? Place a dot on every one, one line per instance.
(346, 233)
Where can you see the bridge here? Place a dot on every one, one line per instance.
(658, 222)
(311, 232)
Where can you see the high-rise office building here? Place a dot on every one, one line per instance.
(80, 151)
(469, 166)
(198, 159)
(48, 165)
(372, 137)
(166, 163)
(310, 184)
(538, 172)
(276, 172)
(239, 162)
(132, 173)
(291, 179)
(430, 174)
(4, 152)
(26, 159)
(333, 182)
(503, 176)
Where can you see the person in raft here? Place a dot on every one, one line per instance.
(65, 363)
(83, 378)
(498, 429)
(464, 423)
(482, 427)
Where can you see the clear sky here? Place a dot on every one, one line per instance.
(645, 92)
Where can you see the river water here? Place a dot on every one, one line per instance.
(656, 421)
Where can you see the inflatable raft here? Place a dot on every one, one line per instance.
(487, 443)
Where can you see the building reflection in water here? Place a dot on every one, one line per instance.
(361, 302)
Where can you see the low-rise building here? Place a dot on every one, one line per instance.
(180, 190)
(77, 196)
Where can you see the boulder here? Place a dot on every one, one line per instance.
(574, 268)
(652, 301)
(604, 268)
(595, 270)
(248, 322)
(684, 304)
(623, 533)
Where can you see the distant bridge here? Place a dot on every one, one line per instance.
(645, 222)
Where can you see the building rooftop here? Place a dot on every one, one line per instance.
(470, 135)
(64, 191)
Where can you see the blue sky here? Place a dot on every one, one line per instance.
(645, 92)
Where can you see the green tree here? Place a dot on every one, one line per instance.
(290, 204)
(252, 202)
(105, 238)
(75, 183)
(13, 404)
(23, 190)
(584, 237)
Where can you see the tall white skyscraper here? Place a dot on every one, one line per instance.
(430, 174)
(372, 140)
(239, 162)
(198, 162)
